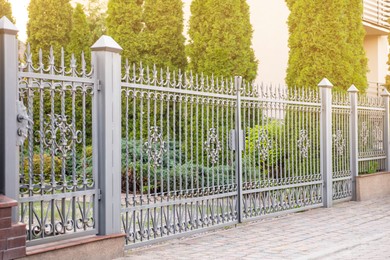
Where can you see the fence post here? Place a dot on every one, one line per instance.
(239, 148)
(9, 151)
(353, 130)
(386, 146)
(106, 61)
(326, 140)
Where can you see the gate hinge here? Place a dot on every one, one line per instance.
(98, 84)
(99, 194)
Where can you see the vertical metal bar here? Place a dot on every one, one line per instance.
(386, 145)
(237, 83)
(326, 140)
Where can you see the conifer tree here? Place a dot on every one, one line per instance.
(6, 10)
(96, 18)
(80, 36)
(50, 23)
(221, 36)
(124, 24)
(163, 34)
(326, 40)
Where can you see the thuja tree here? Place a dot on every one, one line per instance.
(6, 10)
(221, 39)
(80, 36)
(163, 34)
(124, 24)
(326, 40)
(96, 18)
(50, 23)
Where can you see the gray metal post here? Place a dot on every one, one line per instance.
(9, 151)
(386, 146)
(353, 130)
(239, 148)
(106, 61)
(326, 140)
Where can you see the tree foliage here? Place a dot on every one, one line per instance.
(6, 10)
(124, 24)
(80, 36)
(50, 23)
(96, 18)
(326, 40)
(163, 34)
(221, 38)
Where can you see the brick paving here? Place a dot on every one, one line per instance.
(349, 230)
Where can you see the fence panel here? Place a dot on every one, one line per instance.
(178, 171)
(342, 176)
(281, 160)
(371, 117)
(58, 189)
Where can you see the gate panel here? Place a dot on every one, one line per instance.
(281, 159)
(341, 155)
(178, 172)
(58, 189)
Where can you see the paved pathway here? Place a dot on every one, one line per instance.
(350, 230)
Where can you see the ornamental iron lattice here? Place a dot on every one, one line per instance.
(155, 146)
(304, 143)
(213, 146)
(377, 134)
(364, 133)
(264, 144)
(339, 142)
(60, 135)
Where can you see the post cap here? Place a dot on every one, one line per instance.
(7, 27)
(106, 43)
(353, 89)
(325, 83)
(385, 93)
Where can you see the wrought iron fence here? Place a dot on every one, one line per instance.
(58, 190)
(191, 152)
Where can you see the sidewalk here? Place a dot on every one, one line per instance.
(350, 230)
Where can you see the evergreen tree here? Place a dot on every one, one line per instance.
(221, 35)
(124, 24)
(6, 10)
(80, 36)
(326, 40)
(163, 34)
(96, 18)
(50, 23)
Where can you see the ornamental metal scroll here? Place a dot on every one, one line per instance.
(60, 135)
(339, 142)
(213, 146)
(377, 134)
(304, 143)
(155, 146)
(264, 144)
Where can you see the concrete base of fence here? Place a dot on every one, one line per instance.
(90, 247)
(372, 186)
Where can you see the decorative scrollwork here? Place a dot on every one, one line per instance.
(339, 142)
(364, 133)
(264, 144)
(155, 146)
(304, 143)
(213, 146)
(377, 134)
(60, 135)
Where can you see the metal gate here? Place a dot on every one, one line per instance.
(198, 154)
(58, 184)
